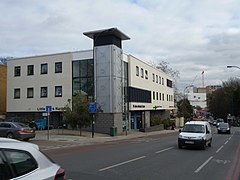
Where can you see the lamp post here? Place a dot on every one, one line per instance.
(233, 67)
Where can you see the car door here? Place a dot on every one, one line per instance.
(4, 129)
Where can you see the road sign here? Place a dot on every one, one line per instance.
(92, 108)
(48, 109)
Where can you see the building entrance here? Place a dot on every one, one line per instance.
(137, 120)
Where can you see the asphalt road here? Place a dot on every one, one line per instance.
(154, 157)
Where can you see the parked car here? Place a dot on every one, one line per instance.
(23, 161)
(16, 130)
(195, 133)
(224, 128)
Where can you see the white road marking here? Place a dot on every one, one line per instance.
(122, 163)
(226, 142)
(219, 149)
(204, 164)
(164, 150)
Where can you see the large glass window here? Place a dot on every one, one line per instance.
(44, 92)
(29, 92)
(17, 93)
(83, 77)
(30, 70)
(17, 71)
(58, 67)
(44, 68)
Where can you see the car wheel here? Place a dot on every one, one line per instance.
(10, 135)
(179, 146)
(204, 145)
(210, 143)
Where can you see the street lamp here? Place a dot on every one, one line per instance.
(233, 67)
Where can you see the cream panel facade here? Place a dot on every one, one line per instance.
(141, 76)
(38, 80)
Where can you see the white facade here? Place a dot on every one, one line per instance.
(197, 99)
(146, 77)
(51, 80)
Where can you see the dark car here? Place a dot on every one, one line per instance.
(224, 128)
(16, 130)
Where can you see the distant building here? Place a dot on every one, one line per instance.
(210, 89)
(3, 89)
(129, 90)
(197, 97)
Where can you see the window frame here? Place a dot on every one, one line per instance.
(17, 71)
(41, 92)
(15, 93)
(56, 67)
(137, 71)
(56, 94)
(30, 71)
(44, 70)
(28, 94)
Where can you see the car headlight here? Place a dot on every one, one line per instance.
(228, 128)
(200, 137)
(180, 136)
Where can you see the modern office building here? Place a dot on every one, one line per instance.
(128, 90)
(3, 90)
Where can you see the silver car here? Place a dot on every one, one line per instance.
(16, 130)
(23, 161)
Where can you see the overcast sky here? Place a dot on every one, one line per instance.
(191, 35)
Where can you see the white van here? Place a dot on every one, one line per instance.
(195, 133)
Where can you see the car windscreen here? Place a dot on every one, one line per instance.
(224, 125)
(193, 128)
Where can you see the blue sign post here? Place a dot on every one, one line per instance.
(48, 110)
(92, 108)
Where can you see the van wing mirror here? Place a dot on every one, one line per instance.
(180, 130)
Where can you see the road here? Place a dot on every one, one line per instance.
(154, 157)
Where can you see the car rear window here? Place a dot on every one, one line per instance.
(5, 172)
(22, 162)
(223, 125)
(21, 125)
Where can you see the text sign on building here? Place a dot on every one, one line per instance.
(48, 109)
(92, 108)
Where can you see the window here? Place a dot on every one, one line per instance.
(44, 68)
(146, 74)
(156, 78)
(58, 67)
(5, 172)
(153, 77)
(160, 96)
(137, 71)
(17, 93)
(44, 92)
(163, 96)
(157, 95)
(153, 95)
(29, 92)
(142, 74)
(159, 79)
(169, 83)
(30, 70)
(58, 91)
(21, 161)
(162, 81)
(17, 71)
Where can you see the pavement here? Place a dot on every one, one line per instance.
(60, 138)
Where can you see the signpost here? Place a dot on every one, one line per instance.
(92, 108)
(48, 111)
